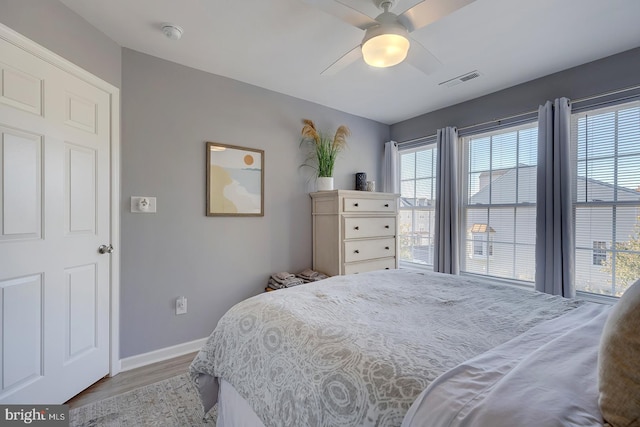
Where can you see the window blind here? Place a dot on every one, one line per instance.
(417, 204)
(499, 213)
(606, 151)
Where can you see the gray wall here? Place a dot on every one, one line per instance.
(168, 113)
(59, 29)
(594, 78)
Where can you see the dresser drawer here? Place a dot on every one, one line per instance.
(358, 204)
(355, 228)
(363, 267)
(362, 250)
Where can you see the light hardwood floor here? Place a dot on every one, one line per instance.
(126, 381)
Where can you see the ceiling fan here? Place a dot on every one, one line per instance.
(386, 40)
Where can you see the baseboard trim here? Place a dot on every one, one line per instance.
(161, 354)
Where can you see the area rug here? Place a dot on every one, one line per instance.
(171, 403)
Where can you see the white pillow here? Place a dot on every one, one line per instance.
(619, 362)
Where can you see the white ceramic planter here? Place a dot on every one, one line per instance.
(324, 183)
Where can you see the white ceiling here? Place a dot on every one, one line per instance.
(283, 45)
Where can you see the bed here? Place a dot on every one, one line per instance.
(397, 347)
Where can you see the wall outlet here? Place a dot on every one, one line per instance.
(143, 204)
(181, 305)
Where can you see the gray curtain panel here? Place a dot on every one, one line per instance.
(446, 258)
(390, 178)
(555, 245)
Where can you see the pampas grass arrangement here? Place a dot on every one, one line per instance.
(324, 147)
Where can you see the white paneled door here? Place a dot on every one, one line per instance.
(54, 215)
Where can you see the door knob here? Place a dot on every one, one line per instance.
(105, 249)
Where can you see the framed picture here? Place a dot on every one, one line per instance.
(235, 180)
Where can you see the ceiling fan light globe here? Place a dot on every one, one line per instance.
(385, 50)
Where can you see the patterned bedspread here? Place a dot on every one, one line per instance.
(357, 350)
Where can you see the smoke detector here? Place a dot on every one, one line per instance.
(172, 32)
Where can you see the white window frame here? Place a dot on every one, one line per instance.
(484, 242)
(418, 212)
(612, 251)
(599, 256)
(467, 248)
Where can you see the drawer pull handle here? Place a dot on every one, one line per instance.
(386, 247)
(356, 251)
(386, 226)
(355, 204)
(386, 205)
(356, 228)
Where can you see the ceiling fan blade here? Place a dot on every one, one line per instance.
(344, 12)
(345, 60)
(422, 59)
(428, 11)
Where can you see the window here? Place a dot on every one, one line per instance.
(482, 236)
(599, 253)
(606, 147)
(498, 201)
(417, 204)
(478, 245)
(499, 206)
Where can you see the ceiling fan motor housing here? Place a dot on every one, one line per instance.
(388, 24)
(384, 4)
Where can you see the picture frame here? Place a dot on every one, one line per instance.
(235, 180)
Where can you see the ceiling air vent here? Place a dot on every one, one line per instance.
(461, 79)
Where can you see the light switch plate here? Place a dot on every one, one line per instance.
(143, 204)
(181, 305)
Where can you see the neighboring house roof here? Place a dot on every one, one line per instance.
(505, 182)
(506, 176)
(416, 202)
(481, 228)
(624, 190)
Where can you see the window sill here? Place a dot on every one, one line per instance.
(509, 282)
(597, 298)
(405, 265)
(585, 296)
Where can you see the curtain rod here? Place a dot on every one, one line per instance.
(515, 116)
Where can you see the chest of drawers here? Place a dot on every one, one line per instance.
(354, 231)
